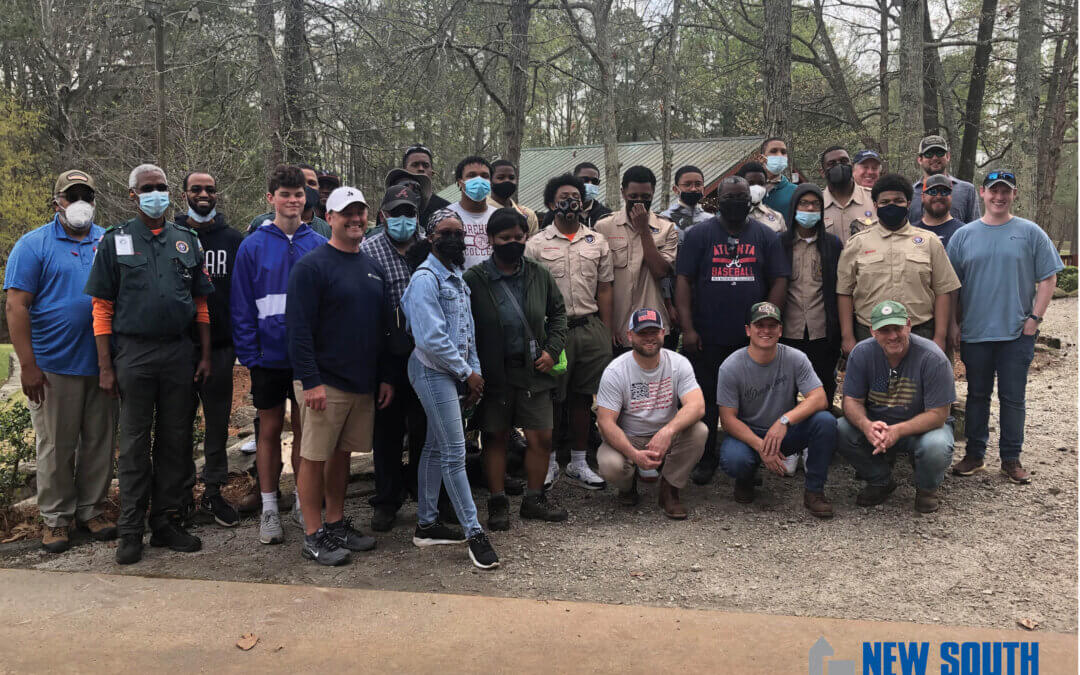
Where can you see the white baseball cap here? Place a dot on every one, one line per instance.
(341, 197)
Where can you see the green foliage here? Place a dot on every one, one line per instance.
(24, 186)
(16, 447)
(1067, 279)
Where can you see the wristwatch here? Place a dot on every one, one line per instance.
(784, 420)
(1038, 319)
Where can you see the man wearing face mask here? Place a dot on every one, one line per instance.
(849, 208)
(686, 212)
(934, 160)
(726, 265)
(592, 209)
(48, 316)
(754, 174)
(473, 175)
(504, 183)
(148, 285)
(894, 261)
(774, 157)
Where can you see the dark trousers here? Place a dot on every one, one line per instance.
(393, 480)
(817, 433)
(823, 355)
(155, 381)
(1009, 360)
(706, 367)
(215, 395)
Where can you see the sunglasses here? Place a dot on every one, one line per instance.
(938, 191)
(589, 179)
(208, 189)
(76, 194)
(1000, 175)
(934, 152)
(160, 187)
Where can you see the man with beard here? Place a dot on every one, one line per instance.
(934, 159)
(649, 408)
(504, 183)
(726, 265)
(219, 244)
(848, 205)
(937, 192)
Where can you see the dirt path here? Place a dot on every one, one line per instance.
(993, 554)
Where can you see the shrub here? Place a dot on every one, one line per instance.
(16, 448)
(1067, 279)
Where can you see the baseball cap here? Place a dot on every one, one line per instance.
(938, 180)
(933, 141)
(73, 177)
(401, 193)
(764, 310)
(401, 175)
(341, 197)
(994, 177)
(645, 318)
(888, 313)
(327, 178)
(863, 155)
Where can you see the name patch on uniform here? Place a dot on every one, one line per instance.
(124, 245)
(182, 246)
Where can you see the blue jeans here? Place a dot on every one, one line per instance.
(817, 432)
(443, 459)
(931, 453)
(1009, 360)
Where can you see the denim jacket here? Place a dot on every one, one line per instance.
(438, 313)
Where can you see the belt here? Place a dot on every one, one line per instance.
(579, 321)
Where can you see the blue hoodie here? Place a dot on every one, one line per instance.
(260, 281)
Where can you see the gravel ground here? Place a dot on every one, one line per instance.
(995, 552)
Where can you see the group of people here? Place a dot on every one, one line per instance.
(416, 322)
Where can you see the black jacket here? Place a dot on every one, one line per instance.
(220, 243)
(829, 247)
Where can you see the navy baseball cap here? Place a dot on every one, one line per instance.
(863, 155)
(645, 318)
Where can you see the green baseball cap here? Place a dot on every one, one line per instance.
(764, 310)
(888, 313)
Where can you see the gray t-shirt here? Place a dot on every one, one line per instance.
(645, 399)
(761, 393)
(922, 381)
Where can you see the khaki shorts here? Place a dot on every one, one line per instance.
(515, 408)
(346, 424)
(588, 353)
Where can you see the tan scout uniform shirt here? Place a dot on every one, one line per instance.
(804, 313)
(578, 265)
(909, 266)
(859, 210)
(530, 215)
(635, 286)
(768, 217)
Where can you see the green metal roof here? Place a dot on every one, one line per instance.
(714, 156)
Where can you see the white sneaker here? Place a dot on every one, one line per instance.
(584, 476)
(270, 528)
(648, 475)
(552, 474)
(791, 464)
(248, 448)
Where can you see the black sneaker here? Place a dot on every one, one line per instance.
(349, 537)
(174, 536)
(481, 552)
(383, 519)
(542, 507)
(498, 513)
(323, 548)
(437, 533)
(129, 550)
(221, 511)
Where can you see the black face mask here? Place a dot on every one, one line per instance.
(691, 199)
(839, 175)
(504, 189)
(509, 253)
(452, 246)
(892, 216)
(568, 209)
(647, 203)
(735, 211)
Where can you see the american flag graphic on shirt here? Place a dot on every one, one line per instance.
(892, 392)
(656, 395)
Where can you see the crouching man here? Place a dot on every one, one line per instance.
(756, 392)
(649, 408)
(897, 393)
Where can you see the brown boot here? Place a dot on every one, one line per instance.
(1015, 471)
(926, 501)
(100, 528)
(669, 501)
(55, 539)
(969, 465)
(817, 504)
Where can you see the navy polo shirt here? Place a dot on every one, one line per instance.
(54, 268)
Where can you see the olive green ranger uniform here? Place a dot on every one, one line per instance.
(152, 282)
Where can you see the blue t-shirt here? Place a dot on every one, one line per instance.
(779, 198)
(944, 231)
(923, 380)
(728, 275)
(999, 266)
(52, 266)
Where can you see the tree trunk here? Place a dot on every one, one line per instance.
(776, 67)
(1026, 106)
(883, 76)
(977, 91)
(1058, 119)
(268, 89)
(293, 72)
(931, 85)
(911, 87)
(159, 82)
(520, 15)
(668, 96)
(609, 123)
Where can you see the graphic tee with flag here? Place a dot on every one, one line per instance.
(922, 381)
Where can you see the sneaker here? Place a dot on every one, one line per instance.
(324, 548)
(130, 549)
(100, 528)
(382, 520)
(791, 464)
(802, 458)
(270, 528)
(1015, 471)
(55, 539)
(552, 474)
(298, 517)
(173, 536)
(481, 552)
(968, 465)
(542, 507)
(348, 537)
(744, 492)
(872, 495)
(498, 513)
(583, 475)
(221, 511)
(705, 469)
(648, 475)
(249, 447)
(437, 533)
(817, 504)
(926, 501)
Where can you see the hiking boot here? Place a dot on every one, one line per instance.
(348, 537)
(1015, 471)
(542, 507)
(175, 537)
(498, 513)
(221, 511)
(744, 492)
(55, 539)
(629, 497)
(481, 552)
(669, 501)
(513, 486)
(100, 528)
(324, 548)
(436, 534)
(705, 469)
(382, 520)
(270, 531)
(872, 495)
(817, 504)
(130, 549)
(926, 501)
(968, 465)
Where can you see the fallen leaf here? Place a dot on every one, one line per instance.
(247, 641)
(1029, 624)
(637, 574)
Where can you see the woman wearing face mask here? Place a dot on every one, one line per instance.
(443, 366)
(521, 330)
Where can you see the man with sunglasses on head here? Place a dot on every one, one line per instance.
(592, 209)
(934, 159)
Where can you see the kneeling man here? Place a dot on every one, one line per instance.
(649, 408)
(897, 393)
(756, 392)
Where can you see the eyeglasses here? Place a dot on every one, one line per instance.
(937, 191)
(208, 189)
(589, 179)
(160, 187)
(934, 152)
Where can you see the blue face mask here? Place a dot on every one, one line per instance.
(193, 215)
(807, 219)
(591, 192)
(776, 164)
(401, 228)
(477, 188)
(153, 204)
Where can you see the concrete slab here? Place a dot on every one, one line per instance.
(67, 622)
